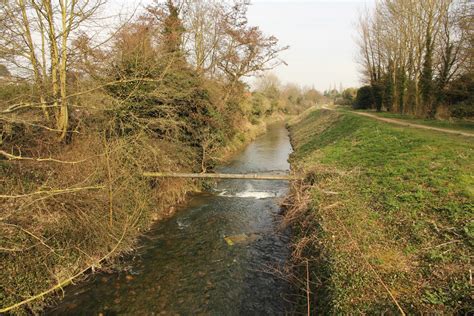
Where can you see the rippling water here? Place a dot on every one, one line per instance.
(215, 257)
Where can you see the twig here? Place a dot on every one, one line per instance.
(32, 235)
(52, 192)
(14, 157)
(10, 249)
(331, 206)
(307, 289)
(109, 176)
(32, 124)
(443, 244)
(19, 106)
(329, 192)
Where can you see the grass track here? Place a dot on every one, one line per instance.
(456, 125)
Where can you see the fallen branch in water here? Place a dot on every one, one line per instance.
(254, 176)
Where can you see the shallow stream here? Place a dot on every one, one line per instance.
(217, 256)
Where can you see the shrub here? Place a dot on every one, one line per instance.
(462, 110)
(364, 98)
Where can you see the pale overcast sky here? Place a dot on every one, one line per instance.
(320, 35)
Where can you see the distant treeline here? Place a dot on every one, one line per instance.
(417, 57)
(270, 95)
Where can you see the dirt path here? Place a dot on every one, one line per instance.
(405, 123)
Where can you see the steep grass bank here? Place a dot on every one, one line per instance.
(384, 217)
(84, 206)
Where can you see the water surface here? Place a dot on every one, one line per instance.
(214, 257)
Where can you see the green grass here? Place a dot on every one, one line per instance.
(461, 125)
(404, 203)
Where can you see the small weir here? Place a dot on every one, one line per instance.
(217, 256)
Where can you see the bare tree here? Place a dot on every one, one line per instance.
(204, 33)
(36, 43)
(268, 82)
(410, 50)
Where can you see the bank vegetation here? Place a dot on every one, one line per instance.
(87, 106)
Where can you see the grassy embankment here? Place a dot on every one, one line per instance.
(383, 217)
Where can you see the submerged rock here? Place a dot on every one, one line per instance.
(240, 239)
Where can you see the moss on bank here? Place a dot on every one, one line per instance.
(384, 216)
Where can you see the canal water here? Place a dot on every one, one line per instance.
(217, 256)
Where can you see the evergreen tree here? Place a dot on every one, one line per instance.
(364, 98)
(426, 79)
(388, 88)
(172, 30)
(401, 82)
